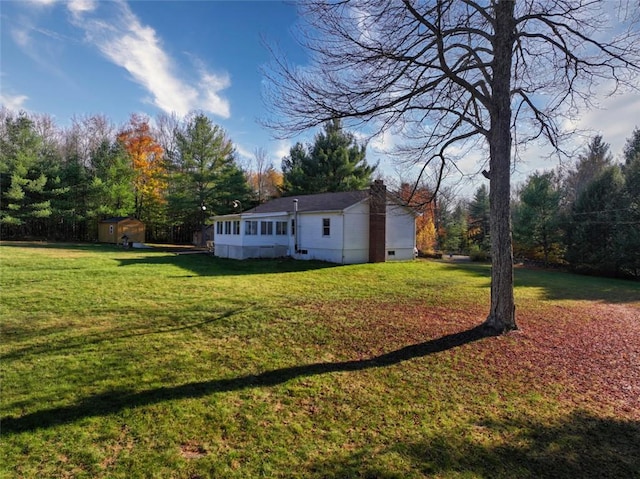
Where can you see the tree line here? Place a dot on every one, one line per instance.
(173, 175)
(585, 216)
(58, 183)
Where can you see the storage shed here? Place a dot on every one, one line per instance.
(111, 230)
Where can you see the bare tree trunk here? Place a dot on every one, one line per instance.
(502, 313)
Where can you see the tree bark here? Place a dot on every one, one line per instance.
(502, 316)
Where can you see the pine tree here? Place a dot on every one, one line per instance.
(207, 173)
(596, 236)
(536, 225)
(335, 162)
(26, 181)
(479, 219)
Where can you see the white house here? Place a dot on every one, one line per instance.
(345, 227)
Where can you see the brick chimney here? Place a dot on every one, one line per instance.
(377, 221)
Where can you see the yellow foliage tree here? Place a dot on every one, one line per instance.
(421, 200)
(148, 163)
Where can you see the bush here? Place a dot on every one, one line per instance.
(478, 254)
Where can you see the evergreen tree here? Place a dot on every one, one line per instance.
(454, 229)
(479, 219)
(26, 181)
(631, 227)
(111, 191)
(207, 173)
(590, 165)
(536, 225)
(596, 236)
(335, 162)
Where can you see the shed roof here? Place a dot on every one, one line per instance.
(337, 201)
(117, 219)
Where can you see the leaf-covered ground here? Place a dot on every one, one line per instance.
(590, 351)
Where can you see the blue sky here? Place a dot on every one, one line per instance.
(113, 57)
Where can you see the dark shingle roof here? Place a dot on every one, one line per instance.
(307, 203)
(117, 219)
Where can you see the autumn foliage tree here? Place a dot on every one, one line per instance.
(420, 199)
(264, 180)
(149, 183)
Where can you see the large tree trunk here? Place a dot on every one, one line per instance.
(502, 317)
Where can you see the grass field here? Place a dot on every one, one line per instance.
(145, 364)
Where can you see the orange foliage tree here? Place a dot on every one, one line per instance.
(266, 184)
(146, 155)
(265, 181)
(421, 199)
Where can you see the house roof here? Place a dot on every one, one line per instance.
(337, 201)
(117, 219)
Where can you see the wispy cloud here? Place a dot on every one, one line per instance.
(13, 102)
(136, 47)
(78, 7)
(42, 46)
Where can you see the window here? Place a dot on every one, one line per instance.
(236, 227)
(326, 226)
(293, 227)
(266, 227)
(218, 227)
(281, 228)
(250, 228)
(227, 227)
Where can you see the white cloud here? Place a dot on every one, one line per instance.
(615, 119)
(282, 149)
(384, 142)
(13, 102)
(21, 36)
(78, 7)
(210, 84)
(137, 48)
(244, 152)
(40, 3)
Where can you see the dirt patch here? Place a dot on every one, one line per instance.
(192, 450)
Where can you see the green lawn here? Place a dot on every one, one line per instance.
(142, 363)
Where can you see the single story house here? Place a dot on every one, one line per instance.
(111, 230)
(344, 227)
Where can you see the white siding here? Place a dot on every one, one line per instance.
(312, 240)
(356, 234)
(400, 233)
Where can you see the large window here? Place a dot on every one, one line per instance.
(266, 227)
(236, 227)
(218, 227)
(281, 228)
(326, 226)
(227, 227)
(250, 228)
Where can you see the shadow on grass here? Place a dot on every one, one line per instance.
(579, 445)
(114, 401)
(110, 336)
(207, 265)
(561, 285)
(87, 246)
(200, 264)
